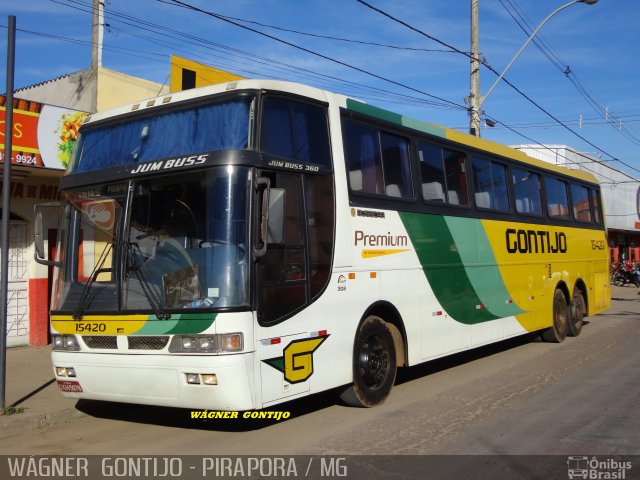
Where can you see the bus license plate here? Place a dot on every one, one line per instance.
(69, 386)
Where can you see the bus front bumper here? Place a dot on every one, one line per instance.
(159, 379)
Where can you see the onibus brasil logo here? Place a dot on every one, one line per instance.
(597, 469)
(296, 362)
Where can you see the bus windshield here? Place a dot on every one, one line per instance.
(213, 127)
(183, 245)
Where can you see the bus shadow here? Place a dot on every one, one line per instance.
(451, 361)
(203, 419)
(206, 420)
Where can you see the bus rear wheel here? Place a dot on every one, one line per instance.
(577, 311)
(558, 331)
(374, 365)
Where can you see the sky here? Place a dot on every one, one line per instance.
(580, 89)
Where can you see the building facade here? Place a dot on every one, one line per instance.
(46, 118)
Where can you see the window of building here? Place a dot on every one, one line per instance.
(188, 79)
(490, 184)
(527, 191)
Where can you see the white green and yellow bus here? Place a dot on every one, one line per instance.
(240, 245)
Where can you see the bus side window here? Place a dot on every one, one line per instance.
(595, 201)
(443, 175)
(362, 152)
(395, 162)
(557, 197)
(432, 173)
(295, 130)
(581, 205)
(456, 176)
(490, 184)
(526, 189)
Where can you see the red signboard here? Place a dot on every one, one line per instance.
(43, 135)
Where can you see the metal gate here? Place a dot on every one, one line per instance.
(18, 300)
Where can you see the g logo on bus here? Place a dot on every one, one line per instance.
(297, 361)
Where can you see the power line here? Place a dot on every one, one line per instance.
(612, 120)
(329, 37)
(139, 24)
(312, 52)
(504, 79)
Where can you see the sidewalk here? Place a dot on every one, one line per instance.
(30, 385)
(30, 382)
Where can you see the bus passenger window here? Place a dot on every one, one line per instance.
(431, 172)
(443, 175)
(456, 176)
(581, 206)
(490, 183)
(595, 197)
(363, 159)
(526, 189)
(295, 130)
(395, 161)
(557, 198)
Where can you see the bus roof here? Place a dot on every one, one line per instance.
(349, 103)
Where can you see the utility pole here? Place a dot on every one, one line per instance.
(97, 33)
(474, 96)
(475, 99)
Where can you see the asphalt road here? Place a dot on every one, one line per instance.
(519, 397)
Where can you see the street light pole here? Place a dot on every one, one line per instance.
(480, 99)
(6, 207)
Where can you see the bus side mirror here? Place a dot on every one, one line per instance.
(39, 253)
(275, 228)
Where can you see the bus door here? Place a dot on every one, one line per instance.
(293, 272)
(282, 286)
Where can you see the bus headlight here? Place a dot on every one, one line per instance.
(227, 342)
(65, 342)
(231, 342)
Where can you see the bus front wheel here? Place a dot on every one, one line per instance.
(558, 331)
(374, 365)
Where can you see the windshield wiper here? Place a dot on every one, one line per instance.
(85, 298)
(148, 292)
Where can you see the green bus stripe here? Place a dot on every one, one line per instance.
(444, 268)
(178, 324)
(194, 323)
(481, 265)
(395, 118)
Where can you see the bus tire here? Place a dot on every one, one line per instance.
(576, 313)
(558, 331)
(374, 365)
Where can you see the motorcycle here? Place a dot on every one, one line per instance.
(626, 274)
